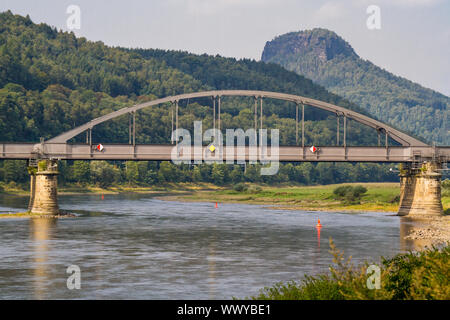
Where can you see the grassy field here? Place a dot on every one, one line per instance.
(379, 197)
(88, 189)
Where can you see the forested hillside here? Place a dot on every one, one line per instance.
(328, 60)
(52, 81)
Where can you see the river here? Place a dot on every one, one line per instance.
(139, 247)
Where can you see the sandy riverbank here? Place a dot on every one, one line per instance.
(27, 215)
(435, 229)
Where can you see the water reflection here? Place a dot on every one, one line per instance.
(40, 231)
(12, 203)
(318, 237)
(131, 247)
(212, 268)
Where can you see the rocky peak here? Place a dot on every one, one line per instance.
(322, 43)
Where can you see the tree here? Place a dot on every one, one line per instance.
(81, 171)
(326, 172)
(15, 170)
(253, 173)
(196, 174)
(167, 172)
(237, 174)
(132, 172)
(103, 174)
(151, 177)
(51, 81)
(307, 172)
(219, 173)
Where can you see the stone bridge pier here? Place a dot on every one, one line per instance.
(43, 188)
(420, 190)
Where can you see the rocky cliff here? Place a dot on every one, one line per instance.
(330, 61)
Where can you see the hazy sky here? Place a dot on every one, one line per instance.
(414, 39)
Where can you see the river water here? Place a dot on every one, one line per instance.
(139, 247)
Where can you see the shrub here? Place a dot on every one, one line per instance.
(349, 194)
(320, 288)
(358, 191)
(445, 184)
(423, 275)
(417, 276)
(254, 189)
(240, 187)
(445, 188)
(395, 199)
(342, 191)
(32, 170)
(12, 185)
(42, 165)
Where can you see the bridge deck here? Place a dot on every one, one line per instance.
(168, 152)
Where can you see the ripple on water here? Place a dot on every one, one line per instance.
(141, 247)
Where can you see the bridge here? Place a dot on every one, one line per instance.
(420, 174)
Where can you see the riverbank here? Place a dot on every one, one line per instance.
(120, 189)
(435, 229)
(380, 197)
(37, 216)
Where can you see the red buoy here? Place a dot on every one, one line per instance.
(318, 225)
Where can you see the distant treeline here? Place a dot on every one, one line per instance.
(147, 173)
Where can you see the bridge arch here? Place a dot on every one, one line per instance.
(400, 137)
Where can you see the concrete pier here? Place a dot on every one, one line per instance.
(420, 190)
(43, 188)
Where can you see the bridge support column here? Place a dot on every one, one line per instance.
(420, 190)
(43, 189)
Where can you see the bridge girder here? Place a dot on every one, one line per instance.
(402, 138)
(64, 151)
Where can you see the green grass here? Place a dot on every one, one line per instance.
(23, 189)
(379, 197)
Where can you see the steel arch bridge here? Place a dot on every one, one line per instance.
(410, 149)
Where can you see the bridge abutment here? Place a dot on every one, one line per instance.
(420, 190)
(43, 188)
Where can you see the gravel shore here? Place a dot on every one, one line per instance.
(436, 229)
